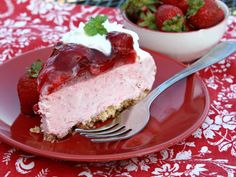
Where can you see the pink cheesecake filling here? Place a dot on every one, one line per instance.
(84, 98)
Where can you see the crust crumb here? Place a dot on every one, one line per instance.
(50, 138)
(35, 129)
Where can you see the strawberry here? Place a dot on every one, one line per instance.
(204, 14)
(188, 27)
(28, 94)
(147, 20)
(169, 18)
(27, 89)
(133, 8)
(182, 4)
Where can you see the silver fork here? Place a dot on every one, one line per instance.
(134, 119)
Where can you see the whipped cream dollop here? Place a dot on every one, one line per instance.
(99, 42)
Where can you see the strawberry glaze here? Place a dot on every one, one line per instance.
(73, 60)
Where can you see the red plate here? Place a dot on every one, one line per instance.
(175, 115)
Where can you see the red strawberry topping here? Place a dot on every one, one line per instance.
(69, 61)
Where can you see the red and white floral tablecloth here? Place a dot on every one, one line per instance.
(210, 151)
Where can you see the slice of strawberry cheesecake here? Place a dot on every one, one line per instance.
(96, 71)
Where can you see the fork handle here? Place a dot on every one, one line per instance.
(215, 55)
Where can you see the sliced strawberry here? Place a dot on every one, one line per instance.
(169, 18)
(28, 94)
(209, 14)
(182, 4)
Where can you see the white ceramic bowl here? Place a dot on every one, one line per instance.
(184, 46)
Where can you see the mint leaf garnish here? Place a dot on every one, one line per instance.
(95, 26)
(33, 71)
